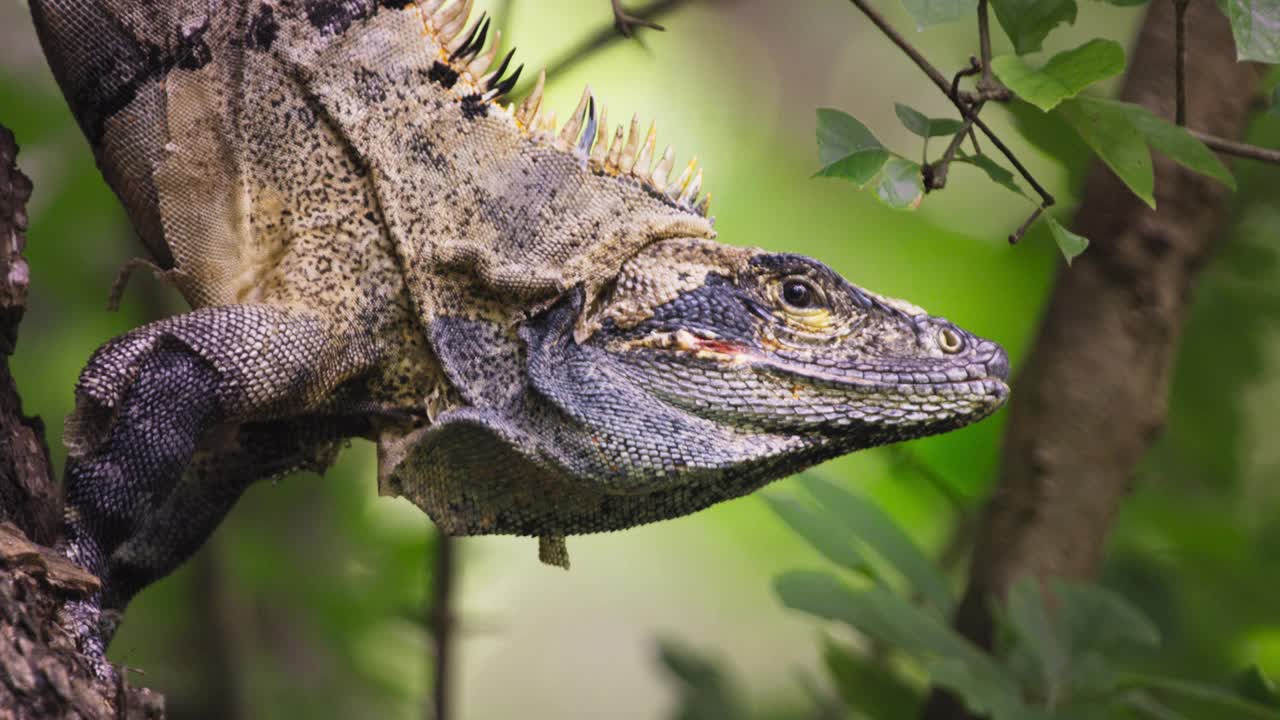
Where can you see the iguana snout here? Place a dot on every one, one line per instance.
(774, 342)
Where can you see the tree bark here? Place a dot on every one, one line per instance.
(41, 673)
(1093, 394)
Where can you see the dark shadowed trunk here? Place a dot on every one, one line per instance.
(1093, 393)
(41, 674)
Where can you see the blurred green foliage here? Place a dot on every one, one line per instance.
(309, 601)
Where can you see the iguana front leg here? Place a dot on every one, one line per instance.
(145, 403)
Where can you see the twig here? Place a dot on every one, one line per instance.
(1025, 226)
(600, 39)
(935, 174)
(1239, 149)
(984, 44)
(627, 24)
(1180, 62)
(878, 20)
(442, 625)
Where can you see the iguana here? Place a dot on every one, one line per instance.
(536, 325)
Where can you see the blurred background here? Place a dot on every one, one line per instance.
(311, 599)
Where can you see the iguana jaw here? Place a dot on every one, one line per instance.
(732, 349)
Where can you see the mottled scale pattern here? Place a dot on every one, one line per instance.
(535, 324)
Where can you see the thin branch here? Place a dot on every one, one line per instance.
(878, 20)
(442, 625)
(1025, 226)
(599, 40)
(1239, 149)
(984, 45)
(935, 174)
(627, 24)
(1180, 62)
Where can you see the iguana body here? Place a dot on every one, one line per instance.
(535, 325)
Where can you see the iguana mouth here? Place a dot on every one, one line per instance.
(983, 376)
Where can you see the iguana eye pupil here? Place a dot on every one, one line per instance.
(798, 294)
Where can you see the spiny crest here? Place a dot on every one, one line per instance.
(630, 154)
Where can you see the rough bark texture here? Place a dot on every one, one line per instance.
(41, 674)
(28, 496)
(1093, 394)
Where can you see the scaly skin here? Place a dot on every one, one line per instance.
(535, 324)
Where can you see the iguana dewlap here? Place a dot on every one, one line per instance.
(534, 323)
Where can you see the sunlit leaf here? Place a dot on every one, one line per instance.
(847, 149)
(1109, 132)
(1173, 141)
(933, 12)
(1069, 243)
(868, 684)
(951, 660)
(871, 525)
(899, 184)
(1256, 26)
(1064, 76)
(925, 126)
(1027, 22)
(993, 169)
(821, 530)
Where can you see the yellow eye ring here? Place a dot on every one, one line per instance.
(798, 296)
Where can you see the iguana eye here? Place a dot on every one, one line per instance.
(950, 341)
(800, 294)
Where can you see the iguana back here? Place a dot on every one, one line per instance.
(287, 155)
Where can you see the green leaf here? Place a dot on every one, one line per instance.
(1173, 141)
(1150, 707)
(1096, 618)
(1228, 704)
(934, 12)
(868, 684)
(1027, 22)
(1274, 106)
(1069, 243)
(924, 126)
(847, 149)
(1253, 684)
(994, 170)
(1064, 76)
(1256, 26)
(820, 530)
(1108, 131)
(899, 184)
(706, 691)
(952, 660)
(1028, 617)
(871, 525)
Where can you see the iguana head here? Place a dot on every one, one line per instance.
(699, 373)
(780, 343)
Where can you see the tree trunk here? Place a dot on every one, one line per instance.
(1093, 393)
(41, 674)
